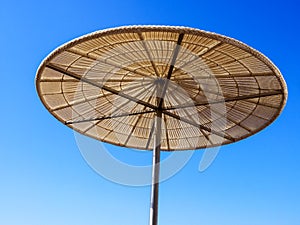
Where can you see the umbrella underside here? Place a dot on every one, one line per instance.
(210, 89)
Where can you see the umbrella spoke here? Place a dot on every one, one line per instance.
(199, 56)
(104, 87)
(175, 54)
(190, 116)
(214, 76)
(139, 118)
(229, 99)
(109, 117)
(220, 134)
(107, 62)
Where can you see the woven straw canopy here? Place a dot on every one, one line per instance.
(211, 89)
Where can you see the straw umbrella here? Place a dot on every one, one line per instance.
(161, 88)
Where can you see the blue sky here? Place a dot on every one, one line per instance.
(45, 180)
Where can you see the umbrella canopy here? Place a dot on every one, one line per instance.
(210, 89)
(172, 88)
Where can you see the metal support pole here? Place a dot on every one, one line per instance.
(155, 170)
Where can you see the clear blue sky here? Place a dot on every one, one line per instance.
(45, 181)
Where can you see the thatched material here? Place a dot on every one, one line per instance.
(213, 89)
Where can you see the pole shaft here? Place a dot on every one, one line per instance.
(155, 170)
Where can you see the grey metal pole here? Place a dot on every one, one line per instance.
(155, 170)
